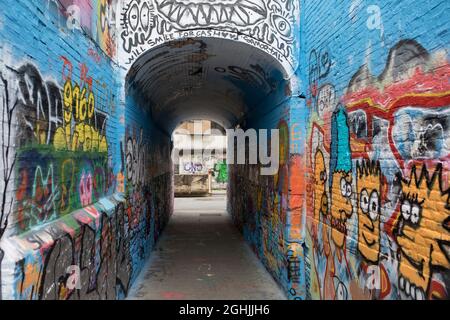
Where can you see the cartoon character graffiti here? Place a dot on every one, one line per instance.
(341, 184)
(368, 186)
(106, 26)
(320, 180)
(341, 209)
(423, 232)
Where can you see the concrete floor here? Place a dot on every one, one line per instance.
(201, 255)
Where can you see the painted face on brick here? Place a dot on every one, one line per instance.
(368, 188)
(423, 232)
(341, 208)
(320, 179)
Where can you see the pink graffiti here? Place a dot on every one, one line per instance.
(85, 189)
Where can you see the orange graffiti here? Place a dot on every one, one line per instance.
(368, 186)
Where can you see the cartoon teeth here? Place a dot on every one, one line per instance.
(191, 13)
(339, 225)
(410, 290)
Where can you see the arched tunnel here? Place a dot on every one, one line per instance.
(349, 101)
(212, 78)
(231, 83)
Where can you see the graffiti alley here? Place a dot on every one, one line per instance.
(346, 101)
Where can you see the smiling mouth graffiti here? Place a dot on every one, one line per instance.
(370, 243)
(412, 289)
(339, 225)
(409, 290)
(203, 12)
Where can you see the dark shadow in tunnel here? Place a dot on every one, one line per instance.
(230, 83)
(205, 78)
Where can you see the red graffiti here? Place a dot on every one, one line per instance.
(67, 69)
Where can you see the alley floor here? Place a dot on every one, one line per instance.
(201, 255)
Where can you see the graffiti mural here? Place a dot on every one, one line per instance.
(62, 162)
(80, 213)
(424, 198)
(8, 106)
(96, 244)
(369, 191)
(96, 18)
(266, 24)
(378, 220)
(106, 26)
(266, 211)
(221, 172)
(192, 168)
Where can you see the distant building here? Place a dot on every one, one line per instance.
(200, 165)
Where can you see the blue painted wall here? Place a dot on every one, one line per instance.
(73, 194)
(85, 179)
(375, 77)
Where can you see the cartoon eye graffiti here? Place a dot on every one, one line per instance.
(349, 190)
(145, 17)
(406, 209)
(282, 25)
(323, 176)
(364, 201)
(343, 187)
(346, 188)
(415, 213)
(324, 204)
(374, 205)
(133, 16)
(341, 292)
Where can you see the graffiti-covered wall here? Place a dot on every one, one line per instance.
(267, 25)
(72, 223)
(359, 91)
(268, 208)
(378, 99)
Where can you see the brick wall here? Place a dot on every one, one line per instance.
(376, 82)
(73, 194)
(358, 210)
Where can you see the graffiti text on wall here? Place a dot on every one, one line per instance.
(266, 24)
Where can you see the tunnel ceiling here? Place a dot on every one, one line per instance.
(204, 78)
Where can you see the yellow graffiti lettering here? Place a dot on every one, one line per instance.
(68, 101)
(83, 106)
(91, 105)
(76, 98)
(79, 105)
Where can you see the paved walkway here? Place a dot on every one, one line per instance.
(201, 255)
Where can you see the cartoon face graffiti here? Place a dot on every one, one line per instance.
(423, 232)
(138, 21)
(320, 179)
(106, 29)
(368, 187)
(341, 208)
(190, 13)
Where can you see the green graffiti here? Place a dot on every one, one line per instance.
(222, 172)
